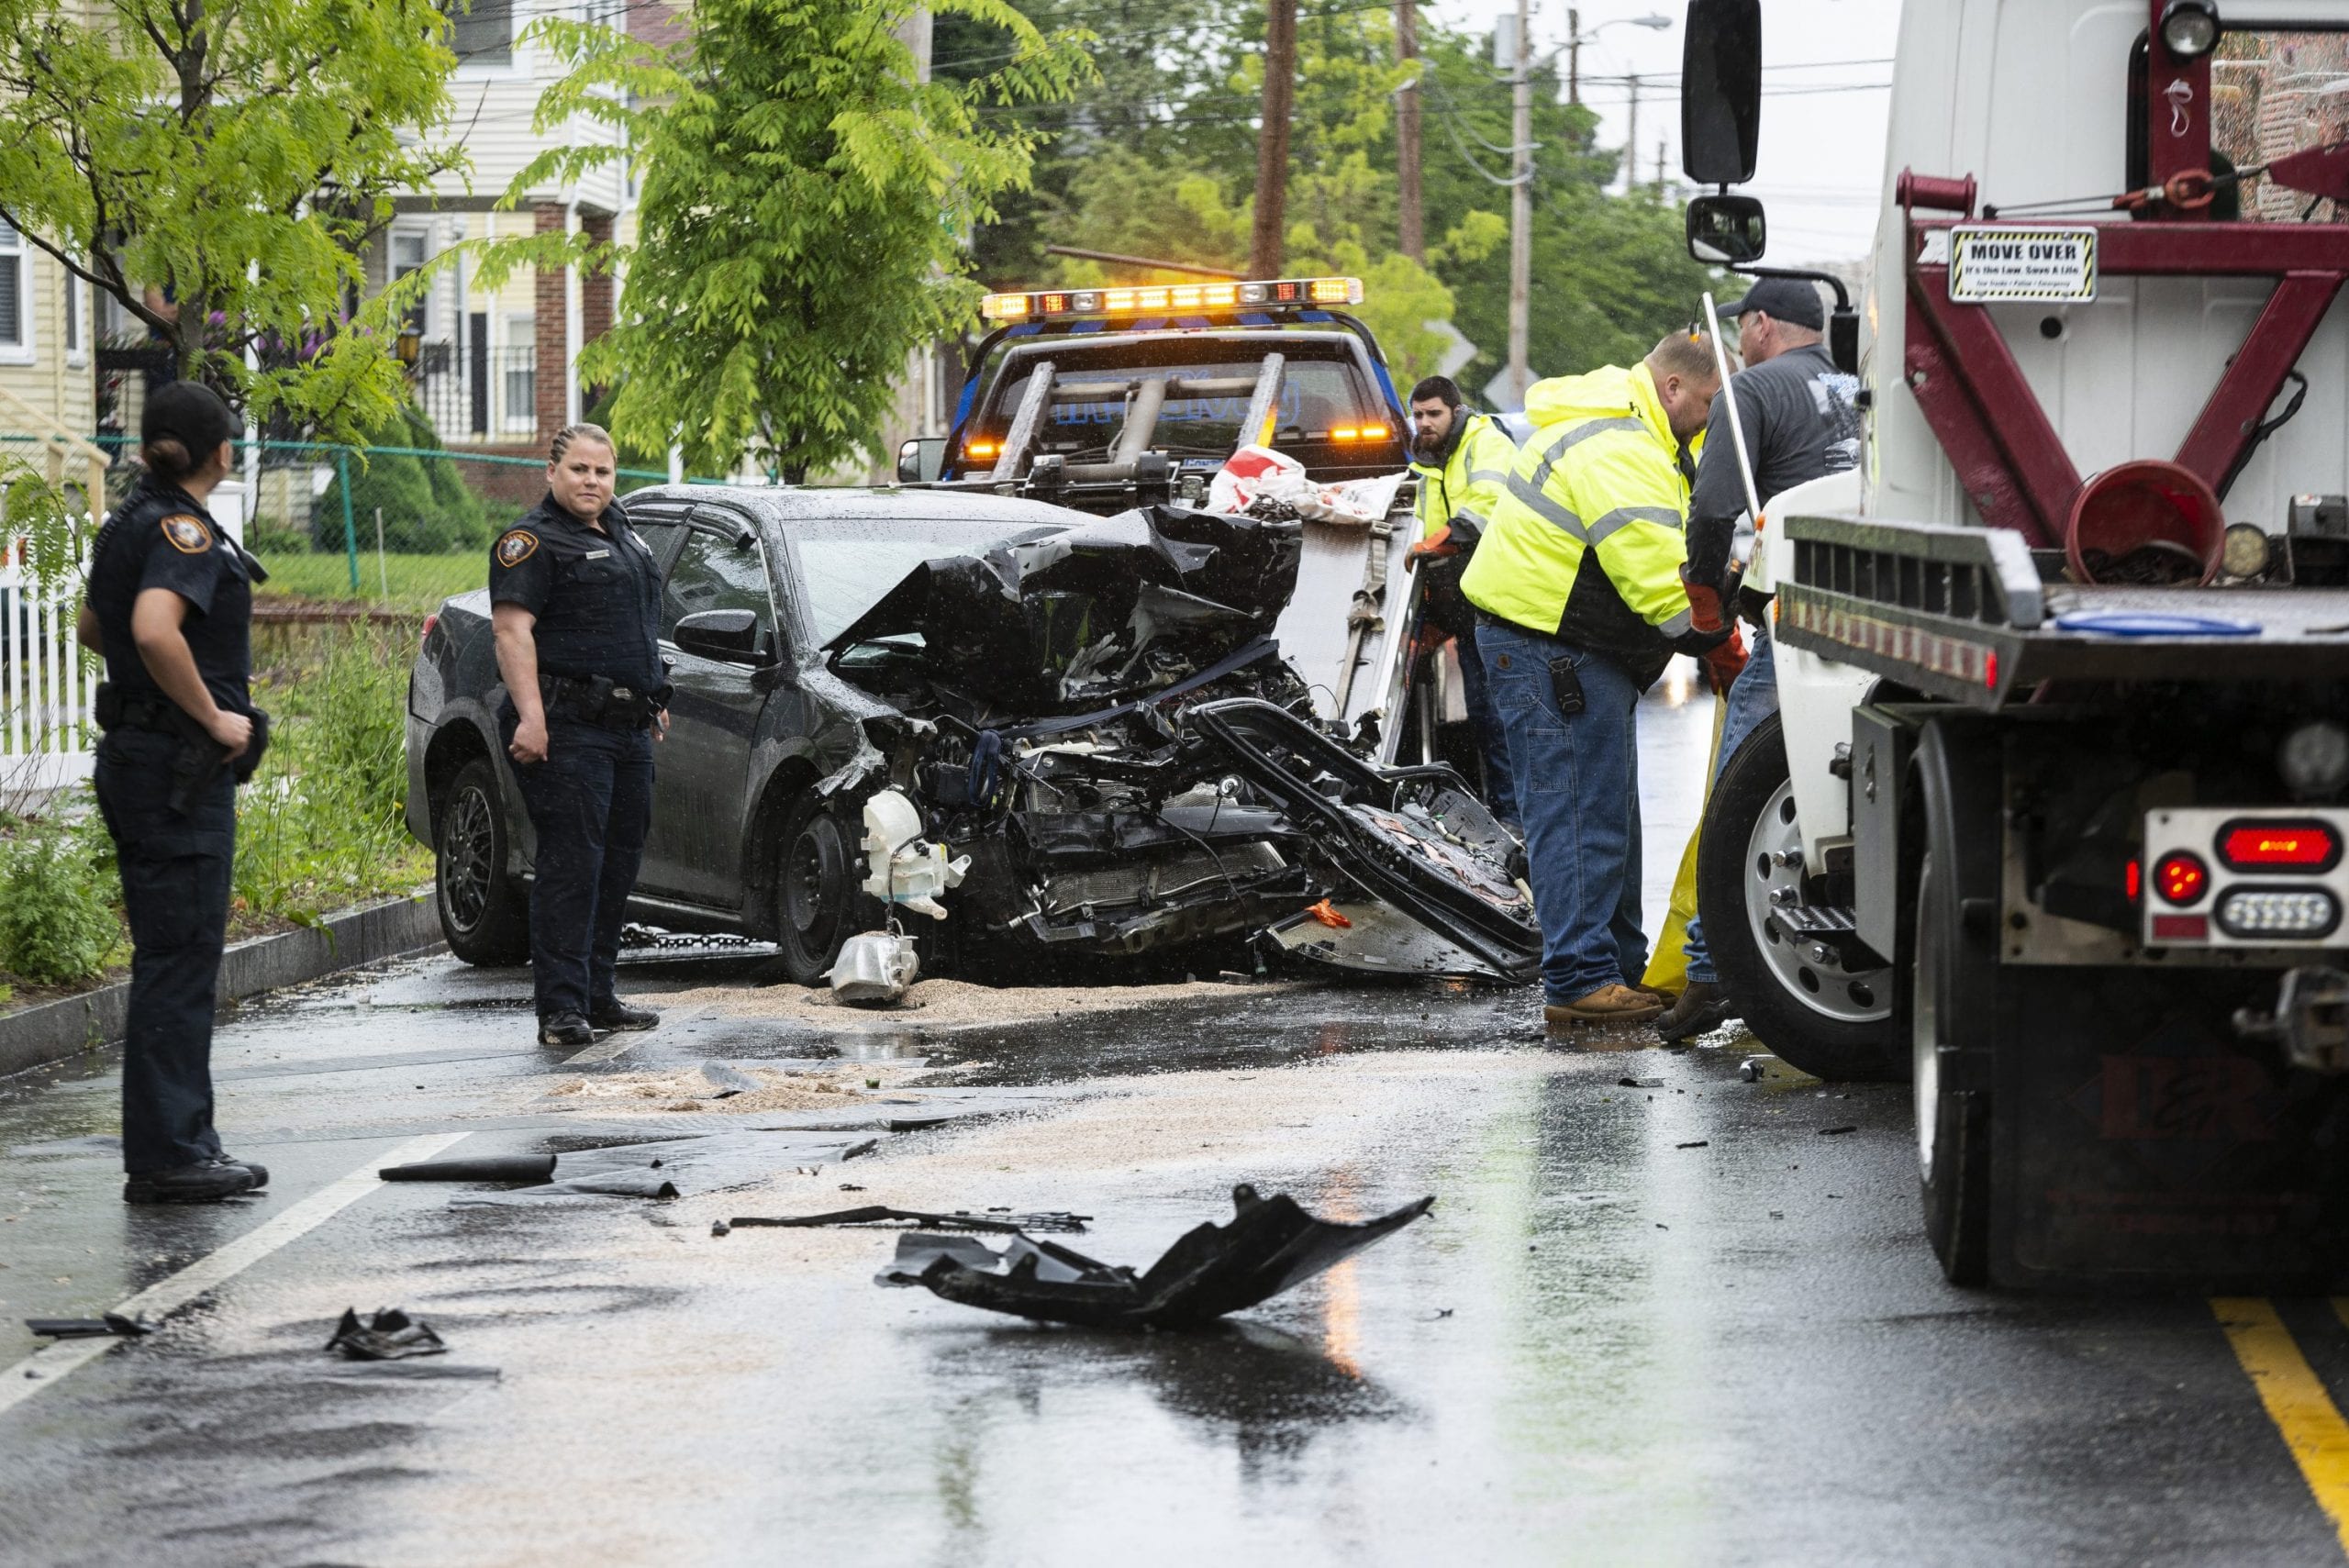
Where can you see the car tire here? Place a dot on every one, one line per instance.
(1816, 1017)
(820, 897)
(485, 911)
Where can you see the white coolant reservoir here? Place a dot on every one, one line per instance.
(902, 866)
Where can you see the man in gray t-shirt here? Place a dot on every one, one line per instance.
(1801, 419)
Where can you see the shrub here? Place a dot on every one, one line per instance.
(427, 507)
(57, 920)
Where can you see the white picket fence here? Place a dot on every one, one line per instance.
(48, 735)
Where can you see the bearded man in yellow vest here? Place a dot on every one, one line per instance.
(1580, 606)
(1462, 460)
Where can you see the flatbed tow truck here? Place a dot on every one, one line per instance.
(2052, 818)
(1109, 399)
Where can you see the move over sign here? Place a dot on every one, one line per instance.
(2002, 263)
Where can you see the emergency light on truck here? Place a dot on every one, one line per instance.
(1045, 305)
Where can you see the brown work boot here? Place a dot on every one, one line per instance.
(1702, 1008)
(1611, 1004)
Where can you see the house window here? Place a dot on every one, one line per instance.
(521, 372)
(76, 344)
(409, 256)
(14, 330)
(483, 33)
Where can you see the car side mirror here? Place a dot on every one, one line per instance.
(1721, 91)
(919, 460)
(1727, 231)
(731, 637)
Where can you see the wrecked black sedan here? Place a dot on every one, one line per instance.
(1039, 740)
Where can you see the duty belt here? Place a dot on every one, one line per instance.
(598, 699)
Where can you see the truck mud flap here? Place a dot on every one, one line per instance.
(2140, 1141)
(1413, 839)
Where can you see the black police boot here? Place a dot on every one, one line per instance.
(260, 1171)
(1702, 1008)
(566, 1029)
(612, 1015)
(208, 1181)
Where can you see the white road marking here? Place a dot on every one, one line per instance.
(50, 1364)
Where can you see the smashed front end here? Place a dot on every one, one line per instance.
(1106, 755)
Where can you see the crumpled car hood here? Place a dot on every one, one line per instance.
(1095, 612)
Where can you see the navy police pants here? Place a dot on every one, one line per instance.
(175, 879)
(590, 802)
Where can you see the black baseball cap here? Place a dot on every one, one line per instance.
(189, 413)
(1790, 300)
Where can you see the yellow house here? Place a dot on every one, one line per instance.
(48, 382)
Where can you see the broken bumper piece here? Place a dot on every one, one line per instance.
(1270, 1245)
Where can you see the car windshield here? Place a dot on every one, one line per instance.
(847, 567)
(1207, 398)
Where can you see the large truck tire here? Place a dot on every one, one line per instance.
(1816, 1017)
(485, 911)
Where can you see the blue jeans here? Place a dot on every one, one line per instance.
(1753, 698)
(590, 802)
(1578, 795)
(1492, 740)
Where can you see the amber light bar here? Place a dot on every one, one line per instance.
(1045, 305)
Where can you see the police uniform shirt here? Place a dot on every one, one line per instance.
(162, 538)
(596, 595)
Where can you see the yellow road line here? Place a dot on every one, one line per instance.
(2303, 1412)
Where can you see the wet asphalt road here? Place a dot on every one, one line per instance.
(1602, 1346)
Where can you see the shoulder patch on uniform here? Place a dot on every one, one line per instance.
(188, 535)
(516, 547)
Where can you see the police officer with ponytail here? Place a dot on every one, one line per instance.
(575, 606)
(170, 608)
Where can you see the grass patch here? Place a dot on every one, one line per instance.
(418, 582)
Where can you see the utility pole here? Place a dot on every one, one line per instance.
(1410, 234)
(1659, 167)
(1520, 207)
(1631, 141)
(1271, 141)
(1573, 55)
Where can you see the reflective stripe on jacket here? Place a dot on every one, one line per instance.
(1600, 480)
(1469, 484)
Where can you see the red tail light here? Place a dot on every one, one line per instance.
(2136, 880)
(2279, 845)
(430, 622)
(2181, 879)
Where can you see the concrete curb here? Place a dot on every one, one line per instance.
(369, 934)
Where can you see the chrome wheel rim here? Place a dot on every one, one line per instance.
(1860, 996)
(468, 852)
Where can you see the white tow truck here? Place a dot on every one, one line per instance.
(2051, 819)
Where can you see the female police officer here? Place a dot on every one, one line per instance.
(575, 606)
(170, 607)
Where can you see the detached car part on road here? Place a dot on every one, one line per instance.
(1050, 736)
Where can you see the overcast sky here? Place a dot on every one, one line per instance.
(1826, 66)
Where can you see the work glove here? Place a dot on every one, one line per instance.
(1437, 546)
(1724, 659)
(1706, 611)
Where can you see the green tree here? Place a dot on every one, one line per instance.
(217, 167)
(802, 219)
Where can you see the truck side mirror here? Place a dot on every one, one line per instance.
(729, 637)
(1843, 339)
(1727, 231)
(919, 460)
(1721, 91)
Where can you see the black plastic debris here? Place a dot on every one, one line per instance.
(1835, 1131)
(1639, 1083)
(1696, 1143)
(113, 1323)
(390, 1335)
(493, 1168)
(995, 1221)
(1270, 1245)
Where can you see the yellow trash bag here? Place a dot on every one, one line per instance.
(1668, 964)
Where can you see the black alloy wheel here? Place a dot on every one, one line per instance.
(820, 897)
(484, 913)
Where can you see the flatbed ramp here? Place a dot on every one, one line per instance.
(1971, 615)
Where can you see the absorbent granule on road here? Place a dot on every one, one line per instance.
(692, 1090)
(947, 1004)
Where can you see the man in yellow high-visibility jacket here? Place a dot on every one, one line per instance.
(1461, 461)
(1580, 606)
